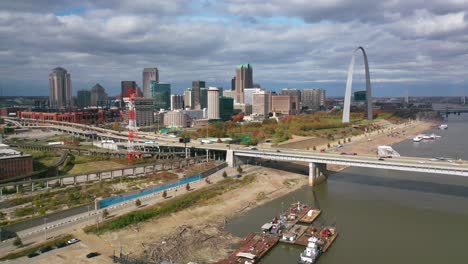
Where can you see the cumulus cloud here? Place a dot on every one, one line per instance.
(107, 41)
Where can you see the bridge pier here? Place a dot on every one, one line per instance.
(317, 173)
(230, 158)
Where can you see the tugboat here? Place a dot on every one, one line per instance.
(311, 252)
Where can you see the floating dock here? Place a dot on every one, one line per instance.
(253, 248)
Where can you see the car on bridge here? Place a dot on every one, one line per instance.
(348, 153)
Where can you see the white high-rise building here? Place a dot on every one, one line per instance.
(177, 101)
(248, 94)
(213, 103)
(261, 103)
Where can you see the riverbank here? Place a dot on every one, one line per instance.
(367, 144)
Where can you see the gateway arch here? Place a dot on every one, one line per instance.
(349, 83)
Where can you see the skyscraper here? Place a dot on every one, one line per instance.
(248, 92)
(213, 103)
(98, 95)
(203, 98)
(196, 87)
(233, 83)
(244, 79)
(126, 87)
(226, 108)
(261, 103)
(83, 98)
(177, 102)
(188, 98)
(161, 92)
(60, 90)
(149, 74)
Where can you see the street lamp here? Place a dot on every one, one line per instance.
(88, 214)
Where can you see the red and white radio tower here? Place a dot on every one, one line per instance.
(132, 127)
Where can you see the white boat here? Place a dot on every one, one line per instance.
(417, 138)
(443, 126)
(311, 252)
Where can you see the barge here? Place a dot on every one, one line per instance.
(253, 248)
(326, 235)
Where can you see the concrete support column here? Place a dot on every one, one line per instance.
(74, 180)
(99, 176)
(17, 188)
(32, 186)
(87, 177)
(230, 158)
(312, 173)
(207, 155)
(133, 171)
(47, 184)
(112, 175)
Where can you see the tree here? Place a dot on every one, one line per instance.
(187, 187)
(17, 242)
(105, 213)
(137, 203)
(116, 126)
(225, 174)
(164, 194)
(239, 169)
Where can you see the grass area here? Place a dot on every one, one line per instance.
(42, 159)
(182, 202)
(82, 164)
(28, 250)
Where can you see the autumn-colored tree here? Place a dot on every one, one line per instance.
(187, 187)
(137, 203)
(164, 194)
(238, 118)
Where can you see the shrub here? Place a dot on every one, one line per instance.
(239, 169)
(105, 213)
(17, 242)
(137, 202)
(225, 174)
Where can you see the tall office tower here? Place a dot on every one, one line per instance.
(98, 95)
(292, 92)
(127, 87)
(60, 90)
(226, 108)
(261, 103)
(177, 102)
(149, 74)
(188, 98)
(213, 103)
(248, 93)
(161, 92)
(313, 99)
(196, 86)
(203, 98)
(244, 79)
(83, 98)
(231, 94)
(233, 83)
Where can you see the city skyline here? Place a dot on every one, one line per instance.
(412, 45)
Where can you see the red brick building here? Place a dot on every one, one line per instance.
(14, 163)
(81, 117)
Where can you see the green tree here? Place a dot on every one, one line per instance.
(105, 213)
(17, 242)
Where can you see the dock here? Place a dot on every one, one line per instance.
(253, 248)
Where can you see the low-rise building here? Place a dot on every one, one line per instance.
(14, 163)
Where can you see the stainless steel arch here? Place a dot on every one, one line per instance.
(349, 83)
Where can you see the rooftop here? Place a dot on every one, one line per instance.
(245, 65)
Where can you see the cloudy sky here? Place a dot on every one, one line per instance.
(415, 45)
